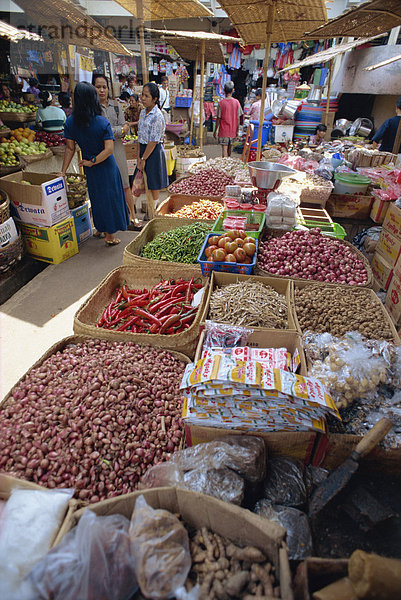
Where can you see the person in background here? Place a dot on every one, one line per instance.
(51, 80)
(131, 113)
(124, 99)
(164, 98)
(131, 86)
(122, 79)
(151, 129)
(33, 88)
(114, 114)
(254, 113)
(229, 113)
(92, 132)
(65, 103)
(387, 132)
(319, 136)
(49, 118)
(5, 92)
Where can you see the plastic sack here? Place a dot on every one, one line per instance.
(284, 482)
(92, 562)
(160, 549)
(222, 335)
(138, 185)
(299, 538)
(30, 522)
(325, 169)
(350, 368)
(280, 211)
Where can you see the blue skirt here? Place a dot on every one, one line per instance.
(155, 167)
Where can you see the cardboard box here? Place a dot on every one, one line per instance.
(283, 286)
(8, 233)
(51, 244)
(397, 268)
(393, 300)
(82, 222)
(283, 133)
(197, 510)
(392, 221)
(382, 271)
(389, 246)
(131, 150)
(43, 203)
(316, 573)
(349, 206)
(379, 210)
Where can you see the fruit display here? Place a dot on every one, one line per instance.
(130, 137)
(76, 190)
(7, 156)
(232, 246)
(22, 133)
(23, 148)
(14, 107)
(50, 139)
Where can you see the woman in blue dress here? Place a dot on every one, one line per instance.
(92, 132)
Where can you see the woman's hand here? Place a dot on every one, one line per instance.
(85, 163)
(125, 129)
(141, 164)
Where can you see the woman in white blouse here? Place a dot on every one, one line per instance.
(151, 129)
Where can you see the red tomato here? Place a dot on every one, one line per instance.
(231, 247)
(249, 240)
(250, 248)
(223, 241)
(209, 250)
(231, 234)
(231, 258)
(219, 255)
(240, 255)
(214, 240)
(239, 241)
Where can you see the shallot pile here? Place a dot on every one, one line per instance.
(94, 417)
(310, 255)
(209, 182)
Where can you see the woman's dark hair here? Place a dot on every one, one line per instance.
(154, 91)
(45, 97)
(86, 104)
(134, 96)
(97, 76)
(64, 99)
(258, 92)
(33, 82)
(321, 127)
(125, 96)
(398, 103)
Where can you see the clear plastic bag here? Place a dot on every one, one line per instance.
(216, 468)
(299, 538)
(350, 368)
(138, 185)
(221, 335)
(280, 211)
(30, 522)
(160, 549)
(284, 483)
(325, 169)
(92, 562)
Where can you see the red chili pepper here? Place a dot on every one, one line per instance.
(128, 324)
(167, 324)
(124, 291)
(147, 315)
(188, 292)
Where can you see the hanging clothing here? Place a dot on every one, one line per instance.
(234, 61)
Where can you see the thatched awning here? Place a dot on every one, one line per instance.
(187, 43)
(161, 10)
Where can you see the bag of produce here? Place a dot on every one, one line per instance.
(138, 185)
(284, 483)
(160, 549)
(92, 561)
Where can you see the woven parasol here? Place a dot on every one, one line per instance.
(14, 35)
(67, 23)
(370, 18)
(268, 21)
(161, 10)
(205, 45)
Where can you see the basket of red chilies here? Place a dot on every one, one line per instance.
(146, 306)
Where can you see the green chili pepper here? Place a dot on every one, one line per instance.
(178, 245)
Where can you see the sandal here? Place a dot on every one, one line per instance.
(135, 225)
(114, 242)
(98, 234)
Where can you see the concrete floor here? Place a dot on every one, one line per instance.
(42, 312)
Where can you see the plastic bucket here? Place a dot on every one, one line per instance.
(350, 183)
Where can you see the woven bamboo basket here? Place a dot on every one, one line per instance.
(358, 254)
(11, 254)
(5, 132)
(191, 196)
(132, 256)
(8, 170)
(77, 191)
(4, 206)
(17, 117)
(173, 203)
(60, 346)
(139, 278)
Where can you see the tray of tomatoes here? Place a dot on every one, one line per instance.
(232, 251)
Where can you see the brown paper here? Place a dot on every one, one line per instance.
(374, 576)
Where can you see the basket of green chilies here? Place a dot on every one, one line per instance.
(173, 241)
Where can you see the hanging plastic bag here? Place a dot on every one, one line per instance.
(138, 186)
(92, 562)
(160, 549)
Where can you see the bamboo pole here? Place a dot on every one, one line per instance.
(69, 70)
(193, 99)
(139, 11)
(111, 68)
(271, 14)
(201, 94)
(326, 116)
